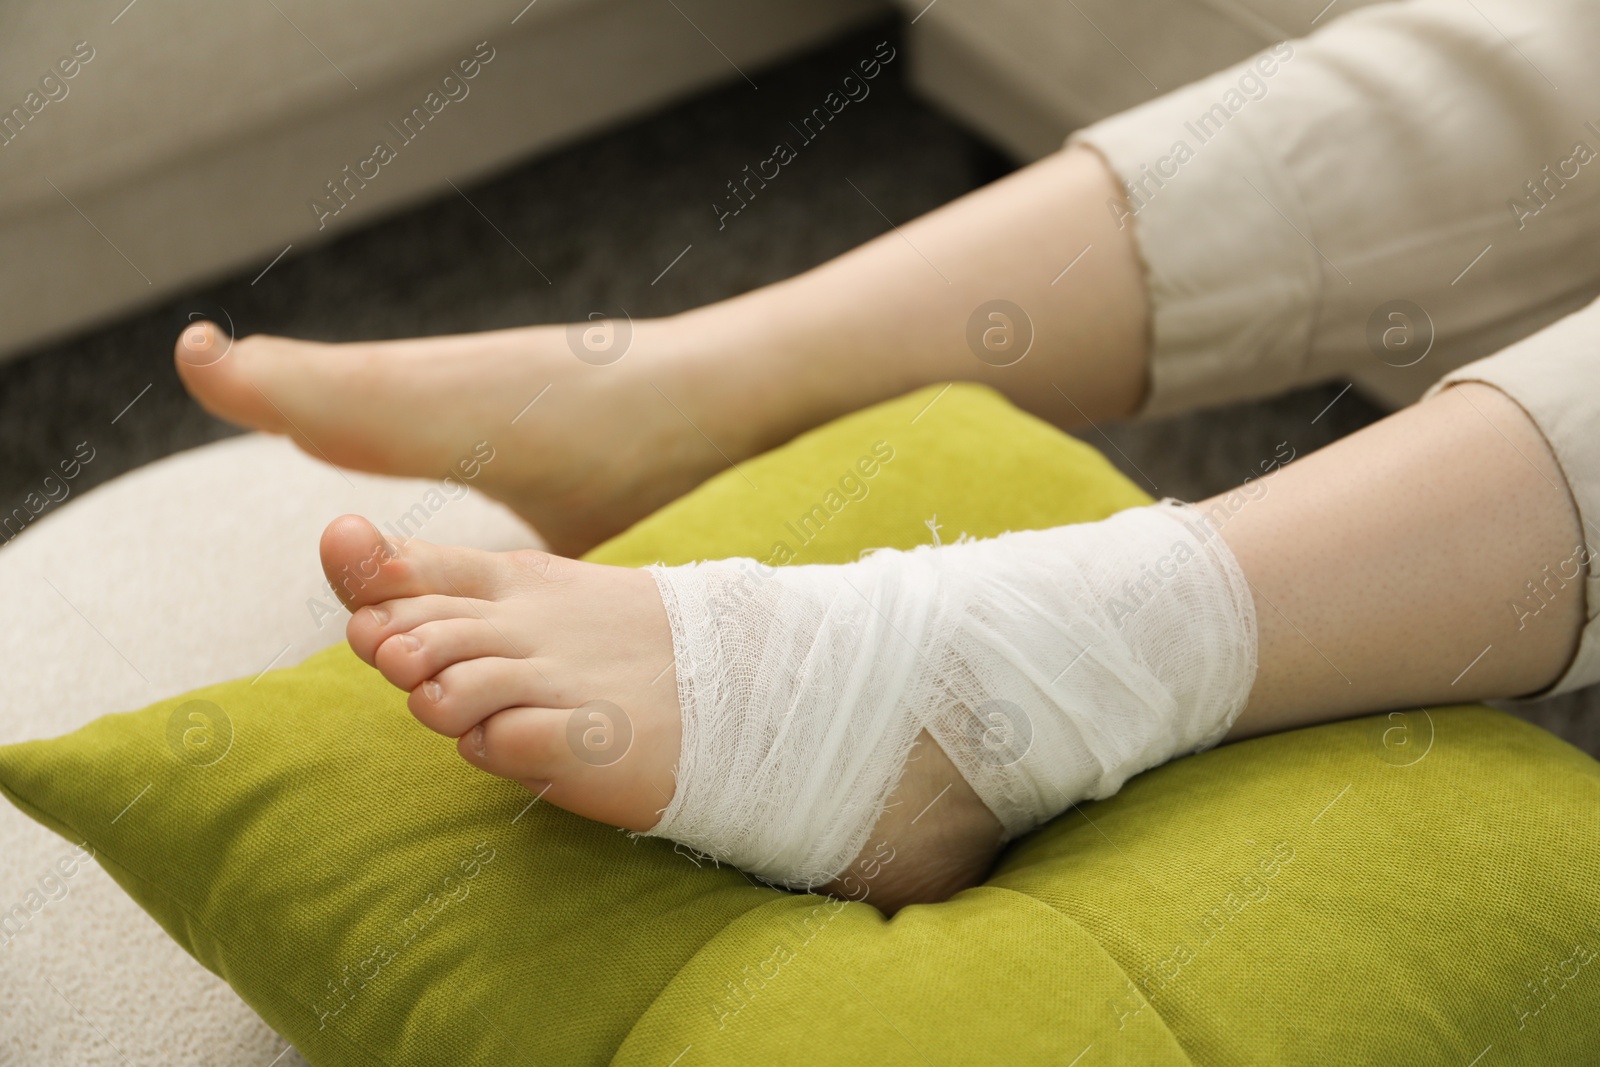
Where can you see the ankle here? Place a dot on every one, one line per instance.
(761, 378)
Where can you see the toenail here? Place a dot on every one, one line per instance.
(433, 691)
(379, 615)
(478, 746)
(199, 344)
(410, 643)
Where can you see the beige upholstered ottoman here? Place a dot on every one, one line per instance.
(195, 569)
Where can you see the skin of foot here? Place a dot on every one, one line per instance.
(667, 402)
(580, 450)
(513, 654)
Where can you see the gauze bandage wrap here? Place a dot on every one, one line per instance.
(1049, 665)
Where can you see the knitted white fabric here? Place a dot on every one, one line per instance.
(1049, 665)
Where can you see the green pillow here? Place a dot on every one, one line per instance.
(1414, 887)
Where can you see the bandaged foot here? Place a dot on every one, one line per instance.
(878, 729)
(1049, 667)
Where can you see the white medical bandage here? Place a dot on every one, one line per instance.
(1049, 665)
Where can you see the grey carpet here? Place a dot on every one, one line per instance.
(594, 225)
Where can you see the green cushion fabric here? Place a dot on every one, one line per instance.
(1411, 888)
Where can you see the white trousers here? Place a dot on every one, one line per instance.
(1381, 191)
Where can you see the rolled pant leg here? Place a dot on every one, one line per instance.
(1411, 187)
(1555, 376)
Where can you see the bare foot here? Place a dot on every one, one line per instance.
(558, 674)
(581, 447)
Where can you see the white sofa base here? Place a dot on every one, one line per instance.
(191, 146)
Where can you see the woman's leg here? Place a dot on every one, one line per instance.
(1391, 569)
(1382, 572)
(1270, 262)
(635, 416)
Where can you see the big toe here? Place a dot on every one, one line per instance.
(219, 372)
(364, 567)
(309, 391)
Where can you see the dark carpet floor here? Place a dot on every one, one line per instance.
(595, 224)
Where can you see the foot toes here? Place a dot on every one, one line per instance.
(354, 555)
(222, 373)
(365, 568)
(201, 345)
(464, 694)
(520, 743)
(408, 659)
(374, 624)
(544, 749)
